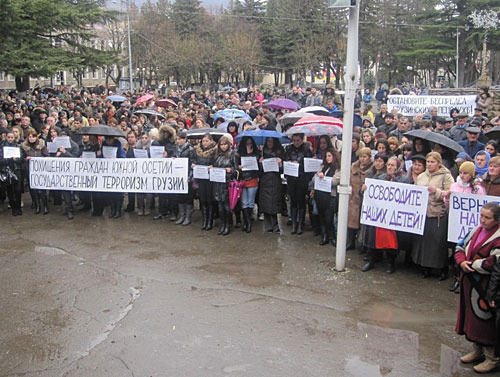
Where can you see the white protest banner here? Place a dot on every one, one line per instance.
(395, 206)
(88, 154)
(270, 165)
(109, 152)
(141, 153)
(464, 213)
(291, 169)
(413, 105)
(201, 172)
(62, 141)
(323, 184)
(51, 147)
(249, 163)
(156, 151)
(11, 152)
(218, 175)
(312, 165)
(110, 175)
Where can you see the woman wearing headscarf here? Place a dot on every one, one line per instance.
(430, 250)
(491, 180)
(481, 161)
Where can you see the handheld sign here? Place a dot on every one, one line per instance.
(291, 169)
(323, 184)
(201, 172)
(249, 163)
(52, 147)
(396, 206)
(218, 175)
(141, 153)
(156, 151)
(109, 152)
(63, 141)
(312, 165)
(11, 152)
(270, 165)
(88, 154)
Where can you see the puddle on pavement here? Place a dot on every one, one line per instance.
(252, 275)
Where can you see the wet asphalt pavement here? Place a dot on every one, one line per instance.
(138, 297)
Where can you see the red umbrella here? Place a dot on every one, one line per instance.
(165, 102)
(316, 119)
(145, 98)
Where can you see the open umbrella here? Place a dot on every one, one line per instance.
(260, 136)
(100, 130)
(226, 88)
(231, 114)
(315, 129)
(357, 120)
(435, 138)
(283, 104)
(292, 118)
(198, 133)
(318, 110)
(493, 134)
(144, 98)
(316, 119)
(115, 98)
(165, 102)
(243, 90)
(150, 112)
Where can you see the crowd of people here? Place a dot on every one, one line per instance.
(381, 149)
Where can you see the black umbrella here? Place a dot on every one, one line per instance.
(150, 112)
(198, 133)
(100, 130)
(493, 134)
(435, 138)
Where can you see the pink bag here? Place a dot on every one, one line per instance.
(235, 190)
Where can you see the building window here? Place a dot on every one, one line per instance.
(86, 74)
(1, 76)
(11, 78)
(95, 74)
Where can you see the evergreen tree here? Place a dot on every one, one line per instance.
(187, 16)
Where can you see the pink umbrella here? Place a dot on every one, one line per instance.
(145, 98)
(165, 102)
(235, 190)
(317, 119)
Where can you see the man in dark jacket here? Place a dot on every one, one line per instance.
(472, 145)
(380, 117)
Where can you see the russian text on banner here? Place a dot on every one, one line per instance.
(395, 206)
(464, 213)
(413, 105)
(136, 175)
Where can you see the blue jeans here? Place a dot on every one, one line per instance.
(248, 197)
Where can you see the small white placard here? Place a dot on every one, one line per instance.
(109, 152)
(88, 155)
(156, 151)
(312, 165)
(323, 184)
(218, 175)
(11, 152)
(201, 172)
(141, 153)
(291, 169)
(270, 165)
(374, 153)
(249, 163)
(408, 164)
(62, 141)
(52, 147)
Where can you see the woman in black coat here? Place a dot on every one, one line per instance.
(270, 193)
(12, 169)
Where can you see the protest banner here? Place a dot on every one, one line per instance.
(413, 105)
(464, 213)
(110, 175)
(395, 206)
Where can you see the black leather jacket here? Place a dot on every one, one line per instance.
(298, 154)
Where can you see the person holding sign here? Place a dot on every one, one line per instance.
(297, 186)
(33, 146)
(11, 170)
(246, 160)
(185, 201)
(431, 249)
(129, 149)
(224, 160)
(327, 200)
(90, 143)
(205, 153)
(144, 201)
(270, 187)
(477, 255)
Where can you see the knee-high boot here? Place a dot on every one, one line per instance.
(204, 215)
(301, 213)
(210, 221)
(294, 221)
(371, 261)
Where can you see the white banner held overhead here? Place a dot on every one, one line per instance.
(110, 175)
(413, 105)
(464, 213)
(395, 206)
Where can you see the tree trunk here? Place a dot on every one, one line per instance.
(22, 83)
(327, 73)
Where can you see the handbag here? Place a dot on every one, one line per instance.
(385, 239)
(7, 176)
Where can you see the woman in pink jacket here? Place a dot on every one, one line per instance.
(466, 182)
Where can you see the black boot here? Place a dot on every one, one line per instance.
(245, 220)
(223, 222)
(112, 209)
(237, 215)
(229, 220)
(210, 221)
(351, 239)
(44, 200)
(371, 261)
(276, 227)
(36, 202)
(300, 224)
(315, 223)
(324, 236)
(391, 256)
(204, 216)
(294, 220)
(248, 212)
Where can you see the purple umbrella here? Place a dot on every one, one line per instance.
(283, 104)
